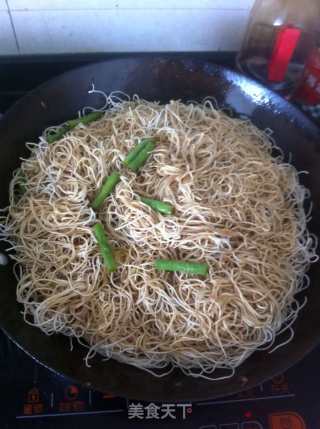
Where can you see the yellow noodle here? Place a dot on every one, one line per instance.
(237, 208)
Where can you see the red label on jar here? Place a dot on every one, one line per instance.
(283, 49)
(308, 91)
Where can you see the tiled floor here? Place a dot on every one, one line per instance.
(58, 26)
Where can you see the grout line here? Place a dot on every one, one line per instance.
(223, 9)
(13, 27)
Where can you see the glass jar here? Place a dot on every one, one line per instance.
(279, 37)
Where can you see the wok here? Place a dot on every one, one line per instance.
(158, 78)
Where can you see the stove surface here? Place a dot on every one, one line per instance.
(32, 396)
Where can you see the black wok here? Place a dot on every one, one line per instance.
(158, 78)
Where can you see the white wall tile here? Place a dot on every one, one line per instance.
(7, 40)
(128, 30)
(127, 4)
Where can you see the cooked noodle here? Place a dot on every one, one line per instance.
(237, 208)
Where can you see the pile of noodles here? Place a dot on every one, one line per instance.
(236, 207)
